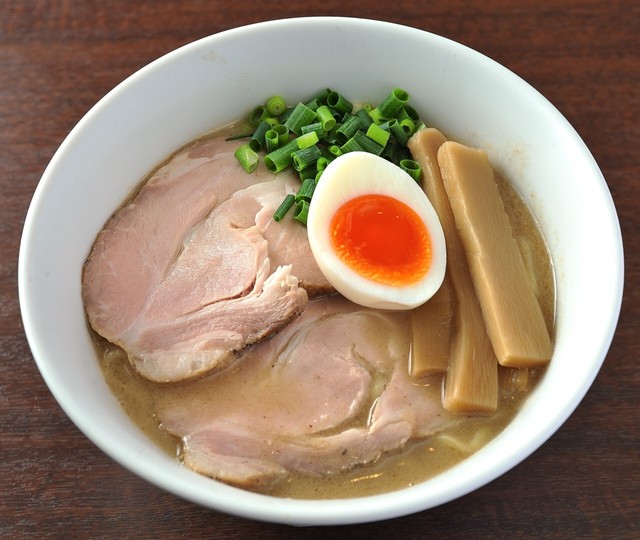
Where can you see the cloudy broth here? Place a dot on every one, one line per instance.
(419, 460)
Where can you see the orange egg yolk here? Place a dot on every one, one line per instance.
(382, 239)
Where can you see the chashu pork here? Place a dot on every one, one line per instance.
(192, 269)
(328, 393)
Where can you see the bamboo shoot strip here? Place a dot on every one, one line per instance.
(471, 383)
(431, 322)
(511, 311)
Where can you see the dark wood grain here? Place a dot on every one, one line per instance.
(57, 58)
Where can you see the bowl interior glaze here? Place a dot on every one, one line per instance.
(218, 79)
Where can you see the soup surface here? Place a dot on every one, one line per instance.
(419, 459)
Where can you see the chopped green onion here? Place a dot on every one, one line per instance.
(367, 143)
(408, 126)
(322, 163)
(351, 146)
(393, 103)
(305, 192)
(316, 128)
(302, 212)
(284, 207)
(338, 102)
(326, 118)
(390, 152)
(271, 139)
(408, 112)
(377, 116)
(402, 152)
(378, 134)
(309, 172)
(276, 105)
(280, 159)
(307, 139)
(305, 157)
(313, 104)
(257, 115)
(349, 128)
(286, 114)
(332, 136)
(257, 139)
(412, 168)
(323, 128)
(300, 116)
(335, 150)
(321, 96)
(283, 134)
(364, 118)
(239, 137)
(247, 157)
(398, 132)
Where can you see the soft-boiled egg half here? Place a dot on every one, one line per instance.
(374, 234)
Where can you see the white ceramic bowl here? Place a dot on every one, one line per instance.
(218, 79)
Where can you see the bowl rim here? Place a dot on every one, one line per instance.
(264, 507)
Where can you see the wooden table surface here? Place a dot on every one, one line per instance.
(58, 58)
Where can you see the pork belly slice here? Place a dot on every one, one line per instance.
(328, 393)
(192, 270)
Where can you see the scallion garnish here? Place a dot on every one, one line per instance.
(367, 143)
(398, 132)
(257, 115)
(276, 105)
(283, 134)
(307, 139)
(280, 159)
(378, 134)
(322, 163)
(284, 207)
(302, 212)
(306, 189)
(393, 103)
(300, 116)
(337, 101)
(351, 146)
(271, 140)
(247, 157)
(326, 118)
(350, 126)
(257, 142)
(412, 168)
(323, 128)
(305, 157)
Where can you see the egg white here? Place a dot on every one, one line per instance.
(360, 173)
